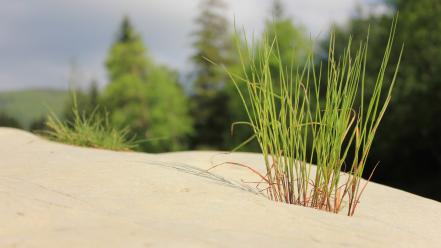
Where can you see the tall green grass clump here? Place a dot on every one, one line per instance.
(89, 130)
(311, 116)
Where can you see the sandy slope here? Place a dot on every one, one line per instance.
(54, 195)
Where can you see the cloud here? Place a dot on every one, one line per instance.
(38, 39)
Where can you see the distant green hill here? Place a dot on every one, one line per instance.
(29, 105)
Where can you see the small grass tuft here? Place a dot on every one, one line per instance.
(298, 121)
(89, 130)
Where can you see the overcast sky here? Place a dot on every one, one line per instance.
(40, 39)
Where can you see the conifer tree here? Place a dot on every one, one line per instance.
(292, 44)
(209, 101)
(128, 54)
(291, 40)
(144, 97)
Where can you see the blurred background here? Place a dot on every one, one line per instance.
(143, 63)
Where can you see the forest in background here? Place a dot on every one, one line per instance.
(149, 100)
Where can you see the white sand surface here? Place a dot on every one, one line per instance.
(55, 195)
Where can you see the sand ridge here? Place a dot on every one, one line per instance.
(56, 195)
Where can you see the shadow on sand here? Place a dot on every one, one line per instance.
(206, 174)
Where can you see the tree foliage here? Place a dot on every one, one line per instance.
(209, 101)
(292, 45)
(408, 143)
(128, 54)
(144, 97)
(8, 121)
(290, 40)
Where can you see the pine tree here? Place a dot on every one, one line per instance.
(292, 44)
(209, 102)
(143, 97)
(93, 95)
(291, 40)
(277, 10)
(128, 54)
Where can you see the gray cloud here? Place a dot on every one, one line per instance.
(39, 38)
